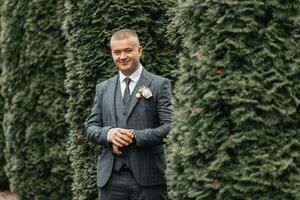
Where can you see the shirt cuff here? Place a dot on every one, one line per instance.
(108, 134)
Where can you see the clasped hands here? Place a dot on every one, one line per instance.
(119, 138)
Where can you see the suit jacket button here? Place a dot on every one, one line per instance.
(125, 113)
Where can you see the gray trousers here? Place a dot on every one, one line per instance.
(123, 186)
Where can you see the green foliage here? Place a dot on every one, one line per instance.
(33, 48)
(88, 26)
(236, 131)
(3, 178)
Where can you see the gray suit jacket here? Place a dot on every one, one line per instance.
(150, 118)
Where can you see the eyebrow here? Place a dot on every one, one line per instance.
(122, 49)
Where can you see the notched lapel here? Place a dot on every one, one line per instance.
(112, 87)
(144, 80)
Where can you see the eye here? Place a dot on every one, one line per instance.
(117, 52)
(128, 50)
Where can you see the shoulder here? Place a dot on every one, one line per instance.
(102, 85)
(156, 79)
(108, 81)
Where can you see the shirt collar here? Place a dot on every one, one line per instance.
(134, 77)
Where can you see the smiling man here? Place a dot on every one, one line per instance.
(130, 118)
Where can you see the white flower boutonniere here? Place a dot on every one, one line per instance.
(144, 92)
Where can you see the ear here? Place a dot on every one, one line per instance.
(140, 51)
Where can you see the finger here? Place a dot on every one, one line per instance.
(123, 142)
(117, 142)
(124, 139)
(116, 150)
(127, 132)
(131, 131)
(125, 136)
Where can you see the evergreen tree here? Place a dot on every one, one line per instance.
(33, 75)
(3, 178)
(88, 27)
(236, 130)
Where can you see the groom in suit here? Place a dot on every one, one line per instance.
(130, 118)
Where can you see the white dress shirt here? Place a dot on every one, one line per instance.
(134, 79)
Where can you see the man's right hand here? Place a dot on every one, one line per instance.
(120, 137)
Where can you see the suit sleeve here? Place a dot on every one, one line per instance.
(155, 136)
(95, 132)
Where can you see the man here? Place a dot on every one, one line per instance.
(131, 116)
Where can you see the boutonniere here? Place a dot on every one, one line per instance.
(144, 92)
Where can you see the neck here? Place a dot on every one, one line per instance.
(127, 74)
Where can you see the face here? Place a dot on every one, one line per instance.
(126, 54)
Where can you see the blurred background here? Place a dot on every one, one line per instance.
(235, 71)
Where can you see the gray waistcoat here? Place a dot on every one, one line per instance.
(121, 123)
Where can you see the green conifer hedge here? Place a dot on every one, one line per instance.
(33, 75)
(236, 131)
(3, 178)
(88, 26)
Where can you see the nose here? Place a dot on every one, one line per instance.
(123, 55)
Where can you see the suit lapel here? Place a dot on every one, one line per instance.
(112, 87)
(144, 80)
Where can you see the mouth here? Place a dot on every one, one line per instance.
(124, 63)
